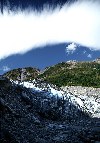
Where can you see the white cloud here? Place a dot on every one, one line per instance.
(89, 56)
(5, 68)
(71, 48)
(78, 22)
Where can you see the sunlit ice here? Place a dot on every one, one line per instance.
(25, 30)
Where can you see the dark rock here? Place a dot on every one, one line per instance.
(32, 117)
(35, 120)
(25, 98)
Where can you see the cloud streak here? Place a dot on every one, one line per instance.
(23, 31)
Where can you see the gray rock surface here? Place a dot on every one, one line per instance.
(34, 117)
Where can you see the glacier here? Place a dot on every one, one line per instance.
(88, 104)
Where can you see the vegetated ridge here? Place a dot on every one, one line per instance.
(70, 73)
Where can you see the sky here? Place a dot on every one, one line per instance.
(44, 33)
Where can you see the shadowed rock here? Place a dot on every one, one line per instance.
(28, 117)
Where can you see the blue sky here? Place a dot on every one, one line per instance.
(47, 56)
(42, 38)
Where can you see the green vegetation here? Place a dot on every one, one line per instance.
(80, 73)
(29, 73)
(62, 74)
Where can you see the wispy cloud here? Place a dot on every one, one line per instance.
(84, 52)
(89, 55)
(5, 68)
(23, 31)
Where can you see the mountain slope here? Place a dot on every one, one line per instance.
(22, 74)
(34, 109)
(73, 73)
(40, 116)
(62, 74)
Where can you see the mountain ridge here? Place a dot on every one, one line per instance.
(70, 73)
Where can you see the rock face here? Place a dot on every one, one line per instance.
(40, 116)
